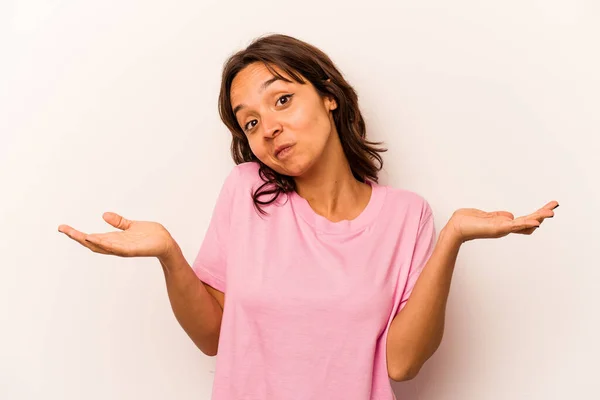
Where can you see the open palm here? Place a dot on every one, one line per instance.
(470, 223)
(134, 239)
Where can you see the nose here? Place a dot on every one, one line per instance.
(271, 126)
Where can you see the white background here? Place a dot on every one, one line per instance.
(112, 105)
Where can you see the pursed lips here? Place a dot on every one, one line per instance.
(281, 148)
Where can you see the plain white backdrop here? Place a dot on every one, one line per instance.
(112, 106)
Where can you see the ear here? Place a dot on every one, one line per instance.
(330, 103)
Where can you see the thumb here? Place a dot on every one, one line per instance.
(503, 214)
(116, 220)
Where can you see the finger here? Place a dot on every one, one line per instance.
(507, 227)
(523, 223)
(544, 213)
(116, 220)
(107, 245)
(528, 231)
(503, 214)
(72, 233)
(100, 243)
(551, 205)
(540, 214)
(96, 249)
(547, 211)
(80, 238)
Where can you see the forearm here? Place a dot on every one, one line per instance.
(417, 330)
(196, 310)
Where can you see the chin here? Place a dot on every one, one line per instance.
(290, 167)
(292, 171)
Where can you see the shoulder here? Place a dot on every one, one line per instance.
(408, 202)
(243, 175)
(241, 182)
(241, 185)
(247, 170)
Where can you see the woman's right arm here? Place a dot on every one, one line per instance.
(197, 306)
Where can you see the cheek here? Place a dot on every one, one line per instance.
(257, 146)
(260, 150)
(303, 119)
(311, 125)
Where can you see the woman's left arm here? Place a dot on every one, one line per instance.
(416, 331)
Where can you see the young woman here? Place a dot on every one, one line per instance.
(313, 281)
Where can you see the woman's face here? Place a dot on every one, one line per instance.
(288, 124)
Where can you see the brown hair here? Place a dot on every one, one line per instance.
(299, 60)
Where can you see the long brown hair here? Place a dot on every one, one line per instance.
(299, 60)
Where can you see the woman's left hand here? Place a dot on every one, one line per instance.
(470, 223)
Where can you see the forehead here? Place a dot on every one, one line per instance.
(249, 81)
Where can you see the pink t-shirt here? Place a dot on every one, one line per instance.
(308, 302)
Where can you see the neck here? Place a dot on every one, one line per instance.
(331, 189)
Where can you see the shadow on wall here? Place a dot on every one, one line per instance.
(405, 390)
(448, 356)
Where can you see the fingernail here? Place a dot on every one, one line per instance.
(556, 207)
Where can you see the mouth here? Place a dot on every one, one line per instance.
(283, 150)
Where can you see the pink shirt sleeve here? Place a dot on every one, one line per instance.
(424, 245)
(211, 261)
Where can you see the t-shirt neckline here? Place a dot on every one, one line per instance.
(322, 224)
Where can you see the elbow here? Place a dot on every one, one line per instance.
(208, 347)
(404, 373)
(210, 351)
(208, 343)
(407, 366)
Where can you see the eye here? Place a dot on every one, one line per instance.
(287, 98)
(247, 128)
(253, 123)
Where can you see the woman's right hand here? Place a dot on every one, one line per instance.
(134, 239)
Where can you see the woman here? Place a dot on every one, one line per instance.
(306, 280)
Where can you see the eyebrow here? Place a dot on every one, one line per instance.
(262, 88)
